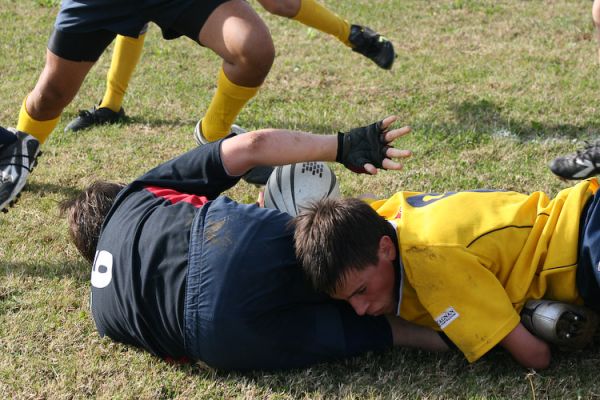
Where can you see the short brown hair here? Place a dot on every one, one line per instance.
(334, 236)
(86, 212)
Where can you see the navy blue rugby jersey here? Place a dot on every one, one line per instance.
(139, 272)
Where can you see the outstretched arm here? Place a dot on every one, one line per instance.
(407, 334)
(278, 147)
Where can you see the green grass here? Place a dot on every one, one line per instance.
(493, 89)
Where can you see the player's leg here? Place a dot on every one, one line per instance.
(236, 33)
(585, 162)
(233, 30)
(126, 55)
(296, 336)
(582, 164)
(68, 60)
(596, 15)
(311, 13)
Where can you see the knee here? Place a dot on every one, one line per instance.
(258, 56)
(54, 97)
(283, 8)
(52, 92)
(596, 13)
(47, 101)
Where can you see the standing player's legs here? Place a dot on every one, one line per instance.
(236, 33)
(68, 60)
(125, 57)
(311, 13)
(56, 87)
(361, 39)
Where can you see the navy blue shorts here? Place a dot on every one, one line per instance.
(84, 28)
(588, 266)
(247, 304)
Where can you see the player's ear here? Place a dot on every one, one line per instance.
(387, 248)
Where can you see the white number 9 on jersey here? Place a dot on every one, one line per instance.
(102, 269)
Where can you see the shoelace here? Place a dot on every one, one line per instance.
(87, 113)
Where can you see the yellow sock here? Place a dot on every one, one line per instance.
(38, 129)
(317, 16)
(125, 57)
(224, 107)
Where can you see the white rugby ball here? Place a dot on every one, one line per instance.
(291, 187)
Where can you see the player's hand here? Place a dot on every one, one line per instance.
(260, 201)
(367, 148)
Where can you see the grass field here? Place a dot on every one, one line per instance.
(492, 89)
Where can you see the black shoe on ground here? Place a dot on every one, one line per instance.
(95, 116)
(372, 45)
(257, 176)
(17, 160)
(583, 164)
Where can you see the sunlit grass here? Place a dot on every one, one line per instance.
(493, 90)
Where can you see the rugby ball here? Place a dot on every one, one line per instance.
(291, 187)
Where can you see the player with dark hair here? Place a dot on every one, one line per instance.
(185, 272)
(127, 53)
(83, 30)
(464, 263)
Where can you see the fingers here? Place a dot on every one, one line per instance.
(261, 198)
(388, 121)
(388, 163)
(370, 168)
(397, 153)
(391, 165)
(396, 133)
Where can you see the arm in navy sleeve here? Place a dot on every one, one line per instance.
(199, 171)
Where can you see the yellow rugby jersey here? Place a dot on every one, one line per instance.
(471, 259)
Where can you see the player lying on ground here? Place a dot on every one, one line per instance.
(186, 273)
(464, 263)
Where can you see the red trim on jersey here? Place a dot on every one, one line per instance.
(175, 197)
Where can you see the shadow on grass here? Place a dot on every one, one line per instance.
(483, 116)
(477, 115)
(423, 374)
(79, 271)
(41, 189)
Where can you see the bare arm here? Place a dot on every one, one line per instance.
(528, 350)
(278, 147)
(407, 334)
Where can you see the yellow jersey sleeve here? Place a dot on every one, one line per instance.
(465, 299)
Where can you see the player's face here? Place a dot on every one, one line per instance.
(370, 291)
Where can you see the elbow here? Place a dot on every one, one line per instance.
(540, 359)
(255, 144)
(543, 359)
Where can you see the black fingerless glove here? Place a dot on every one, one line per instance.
(361, 146)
